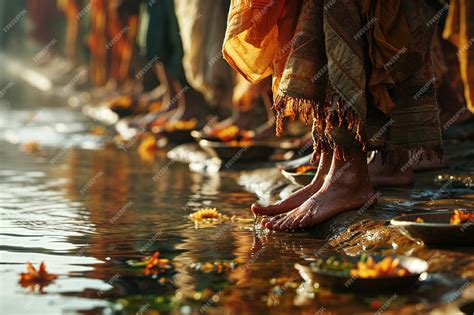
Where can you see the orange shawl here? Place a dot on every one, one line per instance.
(331, 60)
(263, 34)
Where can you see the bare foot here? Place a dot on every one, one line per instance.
(186, 105)
(156, 120)
(346, 187)
(191, 105)
(128, 87)
(155, 95)
(297, 198)
(172, 98)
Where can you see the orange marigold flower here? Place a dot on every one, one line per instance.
(389, 266)
(207, 214)
(228, 133)
(36, 279)
(147, 148)
(155, 264)
(181, 125)
(461, 217)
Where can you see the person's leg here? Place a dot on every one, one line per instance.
(126, 76)
(98, 42)
(180, 102)
(383, 175)
(297, 198)
(114, 42)
(72, 28)
(347, 186)
(247, 102)
(191, 105)
(166, 79)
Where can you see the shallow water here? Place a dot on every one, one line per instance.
(85, 208)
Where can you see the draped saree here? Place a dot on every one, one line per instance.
(163, 40)
(202, 25)
(359, 70)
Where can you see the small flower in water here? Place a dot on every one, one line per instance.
(153, 264)
(36, 279)
(208, 214)
(147, 148)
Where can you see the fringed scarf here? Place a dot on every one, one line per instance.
(328, 59)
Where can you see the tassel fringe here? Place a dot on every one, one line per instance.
(324, 119)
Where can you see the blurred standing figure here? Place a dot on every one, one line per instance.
(202, 24)
(97, 43)
(71, 11)
(459, 29)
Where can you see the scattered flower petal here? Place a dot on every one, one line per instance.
(36, 279)
(153, 264)
(147, 148)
